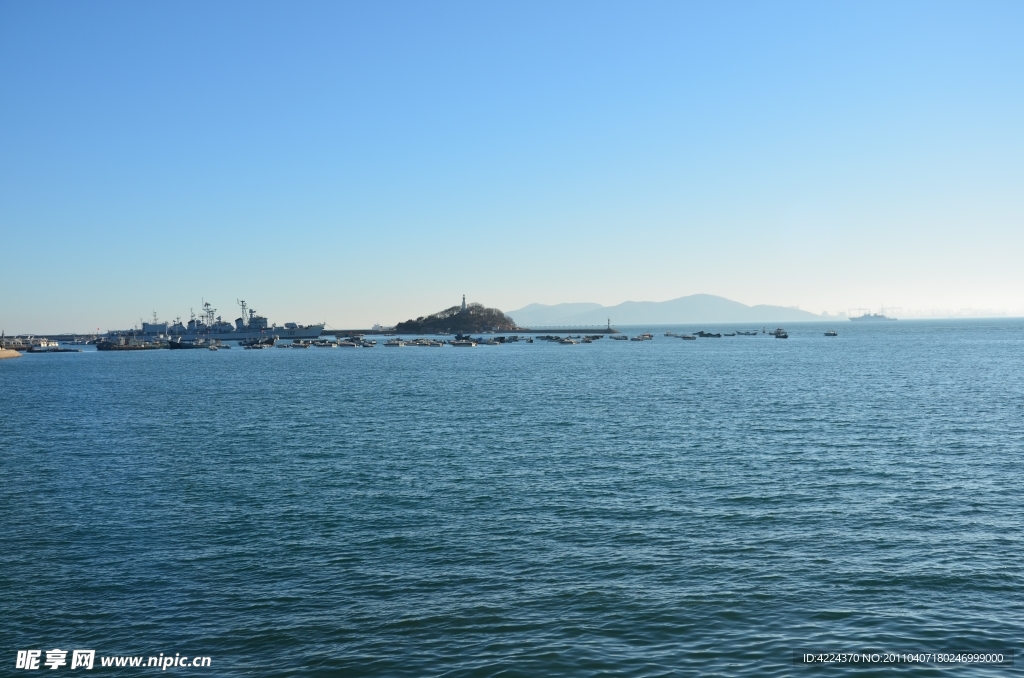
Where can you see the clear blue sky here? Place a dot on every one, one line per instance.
(360, 162)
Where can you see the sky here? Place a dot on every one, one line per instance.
(367, 162)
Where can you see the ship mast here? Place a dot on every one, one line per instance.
(209, 312)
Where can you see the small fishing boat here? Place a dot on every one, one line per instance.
(178, 343)
(831, 333)
(258, 342)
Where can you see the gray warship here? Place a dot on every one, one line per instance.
(871, 317)
(210, 326)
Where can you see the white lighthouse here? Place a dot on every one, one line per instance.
(463, 302)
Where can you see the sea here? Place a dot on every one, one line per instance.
(734, 506)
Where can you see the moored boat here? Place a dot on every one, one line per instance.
(123, 344)
(258, 342)
(200, 342)
(208, 325)
(36, 349)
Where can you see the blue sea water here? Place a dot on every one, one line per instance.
(653, 508)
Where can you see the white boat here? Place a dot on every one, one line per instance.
(394, 343)
(463, 343)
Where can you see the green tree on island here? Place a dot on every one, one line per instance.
(459, 319)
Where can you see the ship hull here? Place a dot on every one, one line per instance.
(179, 345)
(103, 346)
(307, 332)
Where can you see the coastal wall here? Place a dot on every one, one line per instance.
(589, 329)
(7, 353)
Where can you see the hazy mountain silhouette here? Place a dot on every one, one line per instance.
(696, 308)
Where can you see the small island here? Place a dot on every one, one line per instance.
(459, 320)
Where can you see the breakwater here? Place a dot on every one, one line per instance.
(579, 329)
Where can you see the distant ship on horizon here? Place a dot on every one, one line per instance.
(872, 316)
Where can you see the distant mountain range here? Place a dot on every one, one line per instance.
(696, 308)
